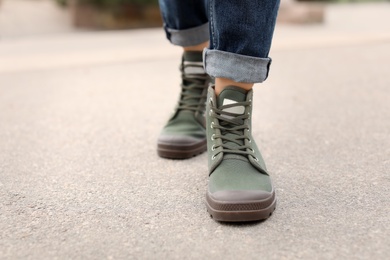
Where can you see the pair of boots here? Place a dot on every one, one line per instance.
(239, 187)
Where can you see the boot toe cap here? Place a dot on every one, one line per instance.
(178, 140)
(240, 196)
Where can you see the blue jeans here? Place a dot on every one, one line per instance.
(240, 34)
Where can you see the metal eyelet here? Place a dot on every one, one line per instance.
(213, 157)
(250, 149)
(213, 147)
(213, 137)
(249, 141)
(210, 112)
(256, 159)
(212, 125)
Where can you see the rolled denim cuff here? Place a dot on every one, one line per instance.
(189, 37)
(237, 67)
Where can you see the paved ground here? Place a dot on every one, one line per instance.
(80, 178)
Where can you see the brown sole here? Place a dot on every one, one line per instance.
(181, 151)
(241, 211)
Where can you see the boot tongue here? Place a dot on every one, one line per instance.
(192, 71)
(232, 95)
(195, 56)
(193, 63)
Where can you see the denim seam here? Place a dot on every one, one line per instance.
(211, 5)
(189, 37)
(237, 67)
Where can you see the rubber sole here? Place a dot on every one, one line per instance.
(225, 211)
(172, 151)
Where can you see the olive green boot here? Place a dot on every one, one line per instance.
(239, 187)
(184, 136)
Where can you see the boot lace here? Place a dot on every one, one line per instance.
(193, 93)
(234, 130)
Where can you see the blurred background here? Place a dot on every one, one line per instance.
(29, 17)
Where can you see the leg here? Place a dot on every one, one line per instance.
(186, 25)
(241, 35)
(241, 31)
(185, 21)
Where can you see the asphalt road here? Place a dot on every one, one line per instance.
(80, 177)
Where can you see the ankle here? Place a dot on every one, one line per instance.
(198, 47)
(222, 83)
